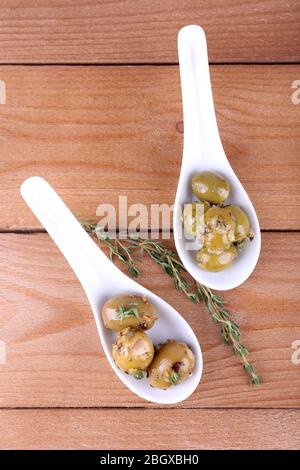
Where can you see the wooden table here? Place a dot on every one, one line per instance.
(93, 104)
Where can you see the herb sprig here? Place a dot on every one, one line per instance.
(126, 312)
(175, 376)
(139, 374)
(128, 250)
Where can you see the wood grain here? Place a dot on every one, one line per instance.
(76, 31)
(139, 429)
(99, 132)
(53, 354)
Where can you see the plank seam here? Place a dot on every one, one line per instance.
(130, 407)
(134, 64)
(34, 231)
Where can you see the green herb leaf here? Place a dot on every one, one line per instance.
(124, 312)
(139, 374)
(175, 376)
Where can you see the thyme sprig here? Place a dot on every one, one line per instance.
(126, 312)
(127, 251)
(139, 374)
(175, 376)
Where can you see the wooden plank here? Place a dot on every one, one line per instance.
(98, 132)
(57, 31)
(139, 429)
(53, 354)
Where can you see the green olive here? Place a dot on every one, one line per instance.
(216, 261)
(133, 351)
(193, 216)
(172, 364)
(242, 224)
(128, 310)
(219, 230)
(210, 187)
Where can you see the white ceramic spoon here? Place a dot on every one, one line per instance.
(203, 151)
(101, 280)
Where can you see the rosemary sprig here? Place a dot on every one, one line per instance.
(175, 376)
(127, 250)
(125, 312)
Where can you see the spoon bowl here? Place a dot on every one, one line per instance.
(101, 279)
(203, 151)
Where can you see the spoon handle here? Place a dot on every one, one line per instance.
(201, 135)
(86, 259)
